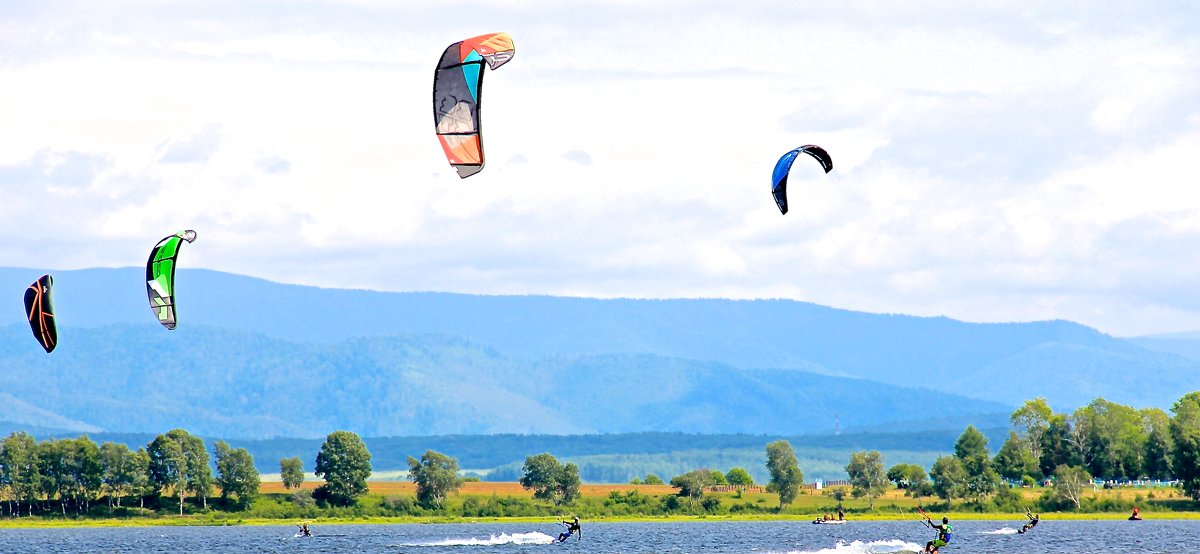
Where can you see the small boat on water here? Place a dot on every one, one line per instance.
(820, 521)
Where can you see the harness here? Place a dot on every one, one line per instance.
(945, 532)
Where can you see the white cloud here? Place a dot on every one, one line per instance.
(578, 157)
(197, 148)
(992, 162)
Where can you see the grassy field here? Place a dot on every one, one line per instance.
(484, 488)
(810, 504)
(893, 505)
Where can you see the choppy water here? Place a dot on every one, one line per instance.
(1053, 537)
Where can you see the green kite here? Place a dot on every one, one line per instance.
(160, 276)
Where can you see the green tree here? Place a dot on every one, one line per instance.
(550, 480)
(1014, 461)
(1157, 457)
(70, 470)
(718, 478)
(87, 471)
(291, 472)
(692, 483)
(949, 478)
(739, 477)
(1185, 433)
(54, 458)
(168, 466)
(142, 485)
(839, 494)
(540, 474)
(120, 472)
(1115, 442)
(569, 483)
(652, 479)
(1031, 421)
(784, 468)
(345, 464)
(199, 474)
(971, 449)
(907, 476)
(236, 475)
(1058, 445)
(1069, 483)
(19, 470)
(867, 477)
(182, 467)
(436, 476)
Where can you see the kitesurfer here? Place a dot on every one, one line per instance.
(1136, 516)
(945, 531)
(304, 532)
(1033, 520)
(572, 529)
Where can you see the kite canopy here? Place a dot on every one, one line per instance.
(779, 177)
(40, 310)
(456, 95)
(160, 276)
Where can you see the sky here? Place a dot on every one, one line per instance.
(993, 161)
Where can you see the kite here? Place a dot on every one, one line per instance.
(779, 177)
(40, 310)
(160, 276)
(456, 93)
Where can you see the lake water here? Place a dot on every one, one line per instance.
(716, 537)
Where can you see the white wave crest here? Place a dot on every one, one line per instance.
(1002, 531)
(503, 538)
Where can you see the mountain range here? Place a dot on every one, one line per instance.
(254, 359)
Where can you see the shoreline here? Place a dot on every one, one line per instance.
(203, 521)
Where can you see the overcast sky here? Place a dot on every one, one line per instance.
(993, 161)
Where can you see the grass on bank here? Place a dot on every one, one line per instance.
(394, 502)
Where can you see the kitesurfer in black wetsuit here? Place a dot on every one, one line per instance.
(572, 529)
(945, 530)
(1033, 520)
(304, 532)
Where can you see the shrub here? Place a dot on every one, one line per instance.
(399, 505)
(303, 498)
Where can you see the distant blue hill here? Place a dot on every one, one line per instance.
(1007, 363)
(1183, 344)
(228, 383)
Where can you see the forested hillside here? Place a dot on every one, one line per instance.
(226, 383)
(1067, 363)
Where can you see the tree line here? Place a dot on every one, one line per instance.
(68, 476)
(1102, 440)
